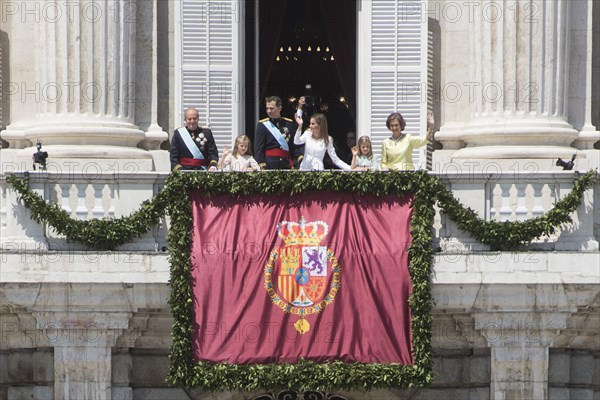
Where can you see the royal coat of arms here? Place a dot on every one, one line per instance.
(297, 274)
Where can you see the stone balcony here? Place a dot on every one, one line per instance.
(520, 325)
(500, 196)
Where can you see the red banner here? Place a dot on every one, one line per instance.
(320, 276)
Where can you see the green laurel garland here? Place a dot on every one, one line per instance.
(174, 201)
(511, 236)
(108, 234)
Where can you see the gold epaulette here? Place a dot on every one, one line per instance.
(287, 119)
(264, 119)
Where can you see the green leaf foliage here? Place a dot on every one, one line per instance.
(335, 375)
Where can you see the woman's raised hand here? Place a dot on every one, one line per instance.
(430, 120)
(430, 125)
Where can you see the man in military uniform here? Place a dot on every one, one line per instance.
(274, 139)
(193, 147)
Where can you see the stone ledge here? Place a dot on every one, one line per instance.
(149, 267)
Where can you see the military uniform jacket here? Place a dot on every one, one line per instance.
(180, 150)
(264, 140)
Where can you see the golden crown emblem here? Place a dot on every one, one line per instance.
(302, 232)
(286, 279)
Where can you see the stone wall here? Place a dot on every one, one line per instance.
(139, 373)
(27, 374)
(574, 374)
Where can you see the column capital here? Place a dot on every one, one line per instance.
(518, 329)
(82, 329)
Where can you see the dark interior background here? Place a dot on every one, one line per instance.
(287, 29)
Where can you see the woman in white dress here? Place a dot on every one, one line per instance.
(316, 142)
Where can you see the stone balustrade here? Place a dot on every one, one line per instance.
(503, 196)
(517, 196)
(84, 196)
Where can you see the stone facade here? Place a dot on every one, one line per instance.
(77, 324)
(480, 352)
(505, 326)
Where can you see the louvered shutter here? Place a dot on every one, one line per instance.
(393, 38)
(211, 65)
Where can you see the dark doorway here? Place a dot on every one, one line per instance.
(309, 42)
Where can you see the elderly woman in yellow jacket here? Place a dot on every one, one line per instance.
(396, 151)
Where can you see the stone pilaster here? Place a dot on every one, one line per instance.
(83, 344)
(519, 352)
(520, 323)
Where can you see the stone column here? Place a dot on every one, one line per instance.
(519, 82)
(583, 36)
(154, 136)
(84, 55)
(2, 98)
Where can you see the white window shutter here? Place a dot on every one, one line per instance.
(393, 37)
(211, 65)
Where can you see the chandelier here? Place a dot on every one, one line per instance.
(310, 53)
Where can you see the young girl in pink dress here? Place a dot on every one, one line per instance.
(241, 159)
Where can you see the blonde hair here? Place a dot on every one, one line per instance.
(240, 139)
(366, 140)
(321, 120)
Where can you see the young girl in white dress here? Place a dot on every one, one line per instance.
(363, 158)
(241, 159)
(316, 142)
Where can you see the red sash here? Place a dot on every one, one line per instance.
(193, 162)
(279, 153)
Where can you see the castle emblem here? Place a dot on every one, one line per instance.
(296, 274)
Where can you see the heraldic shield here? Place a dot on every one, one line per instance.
(297, 274)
